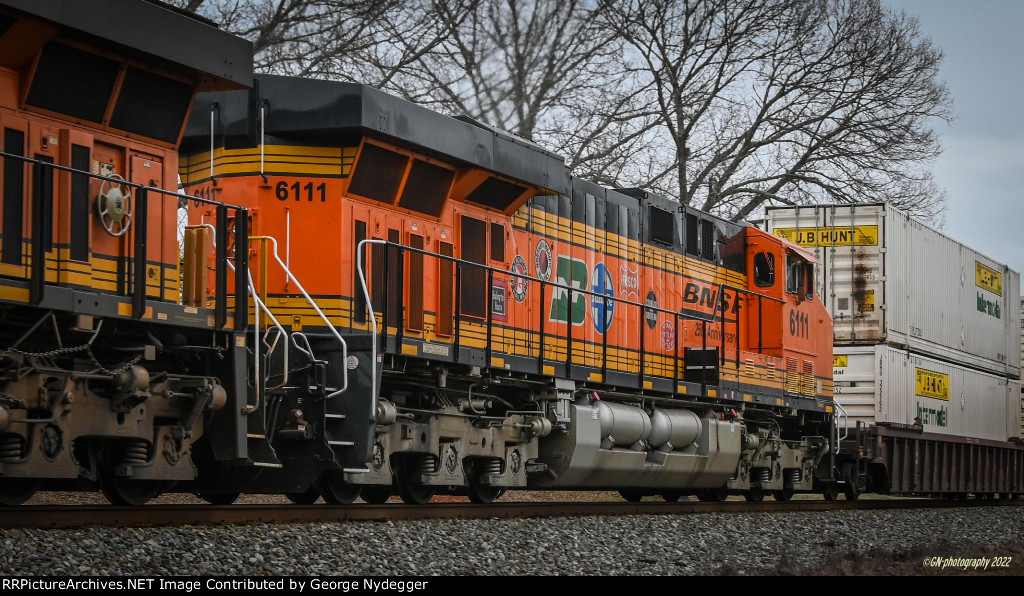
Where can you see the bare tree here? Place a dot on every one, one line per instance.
(546, 71)
(792, 101)
(723, 104)
(367, 41)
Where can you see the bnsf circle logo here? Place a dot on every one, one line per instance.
(542, 261)
(519, 281)
(602, 310)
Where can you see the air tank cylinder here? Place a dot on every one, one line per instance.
(622, 425)
(673, 429)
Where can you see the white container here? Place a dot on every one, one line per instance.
(880, 383)
(888, 278)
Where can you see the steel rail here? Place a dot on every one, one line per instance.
(77, 516)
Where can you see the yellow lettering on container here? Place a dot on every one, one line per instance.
(844, 236)
(988, 278)
(928, 383)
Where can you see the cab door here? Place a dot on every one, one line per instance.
(14, 182)
(161, 239)
(766, 267)
(415, 236)
(359, 222)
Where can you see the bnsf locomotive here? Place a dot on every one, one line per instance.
(531, 329)
(364, 298)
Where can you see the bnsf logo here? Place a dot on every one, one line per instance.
(575, 274)
(707, 296)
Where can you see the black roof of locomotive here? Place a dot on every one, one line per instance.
(313, 110)
(152, 28)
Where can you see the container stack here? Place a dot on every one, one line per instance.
(926, 330)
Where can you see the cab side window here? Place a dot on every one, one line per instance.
(764, 269)
(799, 278)
(794, 276)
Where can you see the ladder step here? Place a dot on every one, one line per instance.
(261, 464)
(337, 416)
(356, 470)
(252, 436)
(344, 443)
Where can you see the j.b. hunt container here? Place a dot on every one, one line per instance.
(889, 278)
(881, 383)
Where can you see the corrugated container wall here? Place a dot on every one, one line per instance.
(881, 384)
(889, 278)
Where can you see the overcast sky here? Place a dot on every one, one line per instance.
(982, 165)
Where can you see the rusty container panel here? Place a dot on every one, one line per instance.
(889, 278)
(881, 384)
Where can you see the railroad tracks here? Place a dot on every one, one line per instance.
(77, 516)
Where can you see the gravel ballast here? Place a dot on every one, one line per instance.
(693, 544)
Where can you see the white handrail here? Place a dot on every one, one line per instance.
(344, 346)
(373, 319)
(259, 303)
(844, 416)
(256, 349)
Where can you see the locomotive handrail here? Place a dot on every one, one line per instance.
(256, 355)
(308, 350)
(508, 273)
(138, 294)
(270, 348)
(373, 318)
(491, 271)
(290, 275)
(162, 191)
(842, 415)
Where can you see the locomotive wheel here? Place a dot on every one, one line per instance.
(672, 497)
(123, 491)
(118, 489)
(479, 493)
(336, 491)
(713, 495)
(15, 491)
(633, 496)
(784, 495)
(830, 491)
(219, 498)
(308, 497)
(375, 494)
(412, 491)
(755, 494)
(851, 492)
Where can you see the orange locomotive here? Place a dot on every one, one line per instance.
(532, 330)
(99, 380)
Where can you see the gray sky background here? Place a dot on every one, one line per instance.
(982, 164)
